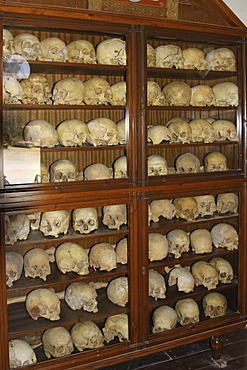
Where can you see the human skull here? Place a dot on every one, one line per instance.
(116, 326)
(226, 94)
(85, 220)
(8, 47)
(17, 227)
(157, 165)
(205, 274)
(214, 305)
(27, 45)
(72, 132)
(177, 93)
(12, 91)
(120, 167)
(117, 291)
(157, 246)
(157, 285)
(206, 205)
(187, 311)
(87, 334)
(221, 59)
(224, 130)
(194, 59)
(43, 176)
(34, 219)
(183, 278)
(57, 342)
(97, 91)
(103, 256)
(54, 223)
(62, 170)
(186, 208)
(180, 131)
(178, 242)
(201, 241)
(164, 318)
(97, 171)
(111, 51)
(53, 49)
(36, 89)
(68, 91)
(225, 236)
(37, 264)
(169, 56)
(43, 302)
(81, 51)
(154, 94)
(72, 257)
(119, 93)
(102, 131)
(20, 354)
(151, 57)
(157, 134)
(81, 296)
(122, 251)
(224, 269)
(202, 96)
(227, 202)
(121, 128)
(201, 131)
(14, 267)
(40, 133)
(187, 163)
(162, 207)
(215, 161)
(114, 216)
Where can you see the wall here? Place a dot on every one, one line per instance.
(239, 7)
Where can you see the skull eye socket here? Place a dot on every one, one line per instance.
(71, 175)
(91, 222)
(58, 175)
(58, 223)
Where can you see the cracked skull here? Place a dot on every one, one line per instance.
(177, 93)
(54, 223)
(81, 296)
(221, 59)
(72, 132)
(72, 257)
(53, 49)
(27, 45)
(111, 51)
(37, 90)
(169, 56)
(102, 131)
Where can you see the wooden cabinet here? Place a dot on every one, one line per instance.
(31, 198)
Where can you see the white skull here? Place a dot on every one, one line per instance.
(205, 274)
(54, 223)
(169, 56)
(103, 256)
(81, 296)
(157, 134)
(214, 305)
(36, 89)
(201, 131)
(85, 220)
(111, 51)
(206, 205)
(40, 133)
(154, 94)
(117, 291)
(221, 59)
(178, 242)
(157, 165)
(20, 354)
(27, 45)
(225, 236)
(68, 91)
(151, 57)
(157, 246)
(224, 269)
(225, 130)
(57, 342)
(12, 91)
(201, 241)
(116, 326)
(122, 251)
(183, 278)
(81, 51)
(180, 130)
(72, 257)
(187, 311)
(119, 93)
(102, 131)
(53, 49)
(177, 93)
(17, 227)
(120, 167)
(37, 263)
(202, 96)
(162, 207)
(62, 170)
(187, 163)
(8, 47)
(226, 94)
(215, 161)
(14, 267)
(34, 219)
(114, 216)
(227, 202)
(72, 132)
(121, 128)
(97, 91)
(87, 334)
(157, 285)
(97, 171)
(186, 208)
(43, 302)
(164, 318)
(194, 59)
